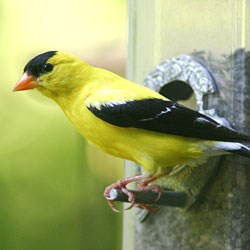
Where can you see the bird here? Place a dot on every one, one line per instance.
(128, 120)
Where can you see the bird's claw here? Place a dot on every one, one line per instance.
(144, 185)
(121, 184)
(123, 188)
(156, 188)
(131, 198)
(112, 206)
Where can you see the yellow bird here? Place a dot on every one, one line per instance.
(127, 120)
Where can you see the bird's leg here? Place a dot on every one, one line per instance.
(121, 184)
(144, 185)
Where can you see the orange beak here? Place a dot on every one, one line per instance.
(26, 82)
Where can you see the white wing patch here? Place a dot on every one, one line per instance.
(229, 145)
(112, 103)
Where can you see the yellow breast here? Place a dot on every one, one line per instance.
(152, 150)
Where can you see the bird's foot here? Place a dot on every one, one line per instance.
(121, 184)
(144, 185)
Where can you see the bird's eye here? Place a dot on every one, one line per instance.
(47, 67)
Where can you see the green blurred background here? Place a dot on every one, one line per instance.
(51, 181)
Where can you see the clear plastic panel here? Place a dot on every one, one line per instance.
(162, 29)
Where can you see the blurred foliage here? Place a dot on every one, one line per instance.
(51, 185)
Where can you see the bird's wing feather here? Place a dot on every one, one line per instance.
(164, 116)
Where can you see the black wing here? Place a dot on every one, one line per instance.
(166, 117)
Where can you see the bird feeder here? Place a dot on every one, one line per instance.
(195, 52)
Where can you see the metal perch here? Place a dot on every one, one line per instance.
(167, 198)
